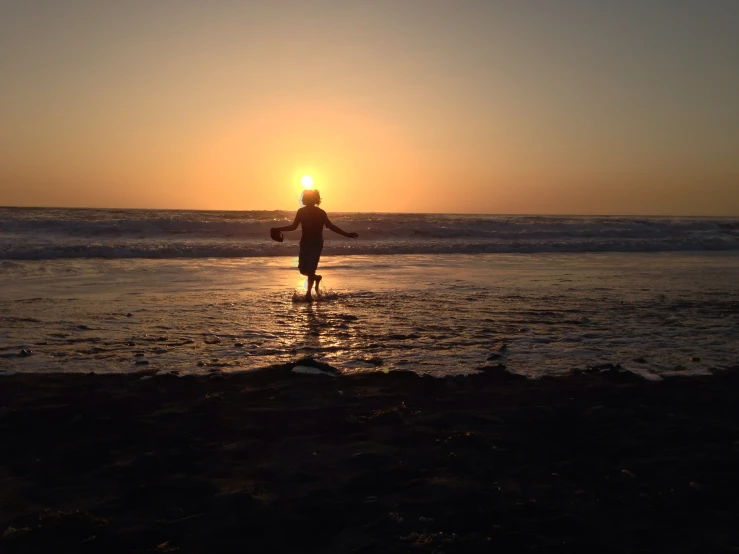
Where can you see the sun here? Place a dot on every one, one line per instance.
(307, 181)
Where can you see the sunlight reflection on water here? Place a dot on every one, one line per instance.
(435, 314)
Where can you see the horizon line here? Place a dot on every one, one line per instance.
(372, 212)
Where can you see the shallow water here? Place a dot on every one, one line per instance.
(652, 313)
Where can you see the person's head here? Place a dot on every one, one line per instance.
(311, 198)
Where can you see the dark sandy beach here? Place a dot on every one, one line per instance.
(278, 462)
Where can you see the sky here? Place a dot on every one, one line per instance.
(467, 106)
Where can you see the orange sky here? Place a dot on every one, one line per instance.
(421, 106)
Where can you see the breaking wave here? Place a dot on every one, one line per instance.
(41, 233)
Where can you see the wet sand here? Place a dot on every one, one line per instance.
(278, 462)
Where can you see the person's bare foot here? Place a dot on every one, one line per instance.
(308, 297)
(318, 281)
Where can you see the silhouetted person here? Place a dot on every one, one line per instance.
(312, 218)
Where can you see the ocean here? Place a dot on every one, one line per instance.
(207, 291)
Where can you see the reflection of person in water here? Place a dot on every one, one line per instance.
(312, 218)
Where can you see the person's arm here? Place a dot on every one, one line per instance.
(291, 227)
(335, 229)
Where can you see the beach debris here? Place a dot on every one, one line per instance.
(500, 373)
(26, 352)
(422, 539)
(212, 340)
(12, 532)
(611, 371)
(306, 370)
(166, 546)
(311, 366)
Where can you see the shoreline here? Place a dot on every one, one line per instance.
(273, 461)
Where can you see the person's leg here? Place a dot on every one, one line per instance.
(317, 278)
(310, 254)
(311, 278)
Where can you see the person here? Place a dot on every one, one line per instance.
(313, 219)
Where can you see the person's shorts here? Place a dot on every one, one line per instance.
(310, 253)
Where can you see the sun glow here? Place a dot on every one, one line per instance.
(307, 181)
